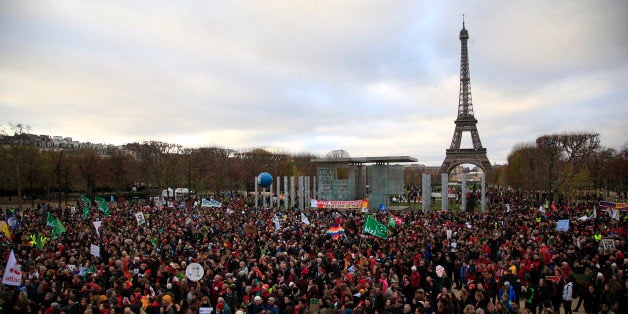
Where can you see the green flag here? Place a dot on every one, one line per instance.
(391, 221)
(87, 202)
(103, 205)
(59, 225)
(86, 199)
(57, 228)
(50, 221)
(37, 241)
(85, 211)
(374, 227)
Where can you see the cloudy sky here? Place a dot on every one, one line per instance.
(375, 78)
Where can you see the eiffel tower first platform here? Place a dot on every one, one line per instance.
(466, 121)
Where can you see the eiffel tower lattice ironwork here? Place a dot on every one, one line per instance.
(466, 121)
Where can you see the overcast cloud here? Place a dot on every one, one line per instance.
(375, 78)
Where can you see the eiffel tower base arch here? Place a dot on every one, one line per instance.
(457, 157)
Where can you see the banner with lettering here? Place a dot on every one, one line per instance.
(12, 273)
(355, 204)
(374, 227)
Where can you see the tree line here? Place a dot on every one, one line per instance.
(568, 165)
(559, 165)
(151, 166)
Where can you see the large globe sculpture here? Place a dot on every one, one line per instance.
(264, 179)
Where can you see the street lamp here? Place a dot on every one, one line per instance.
(551, 145)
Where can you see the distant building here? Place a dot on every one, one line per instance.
(59, 143)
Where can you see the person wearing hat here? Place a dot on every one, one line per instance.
(103, 304)
(222, 302)
(415, 277)
(271, 306)
(507, 293)
(219, 309)
(167, 304)
(256, 306)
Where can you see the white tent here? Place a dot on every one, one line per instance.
(181, 191)
(167, 192)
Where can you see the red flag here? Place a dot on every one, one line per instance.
(398, 220)
(553, 278)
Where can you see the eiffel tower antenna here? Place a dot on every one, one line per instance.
(466, 121)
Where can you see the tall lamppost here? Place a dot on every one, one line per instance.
(551, 145)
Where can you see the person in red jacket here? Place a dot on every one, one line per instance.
(415, 278)
(216, 288)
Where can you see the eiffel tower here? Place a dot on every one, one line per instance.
(466, 121)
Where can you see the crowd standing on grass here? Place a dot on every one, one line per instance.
(510, 259)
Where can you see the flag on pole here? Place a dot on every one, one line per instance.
(57, 228)
(304, 219)
(59, 225)
(94, 250)
(210, 203)
(86, 200)
(86, 204)
(12, 272)
(276, 221)
(351, 269)
(50, 221)
(12, 221)
(374, 227)
(4, 227)
(335, 231)
(85, 211)
(97, 226)
(37, 240)
(103, 205)
(140, 218)
(394, 220)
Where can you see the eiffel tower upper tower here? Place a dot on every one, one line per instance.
(465, 122)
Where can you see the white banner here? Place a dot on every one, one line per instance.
(94, 250)
(304, 219)
(140, 218)
(211, 203)
(12, 273)
(97, 226)
(194, 272)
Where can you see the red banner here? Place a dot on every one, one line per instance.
(356, 204)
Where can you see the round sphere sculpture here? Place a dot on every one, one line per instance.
(264, 179)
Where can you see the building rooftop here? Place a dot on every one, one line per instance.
(362, 160)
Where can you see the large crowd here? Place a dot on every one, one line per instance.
(510, 259)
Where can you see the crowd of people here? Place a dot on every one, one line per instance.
(510, 259)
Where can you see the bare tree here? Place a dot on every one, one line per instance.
(524, 165)
(338, 153)
(18, 150)
(155, 160)
(61, 172)
(118, 166)
(617, 179)
(89, 170)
